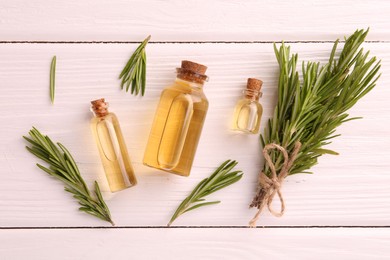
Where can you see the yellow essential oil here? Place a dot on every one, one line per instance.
(248, 111)
(112, 147)
(178, 122)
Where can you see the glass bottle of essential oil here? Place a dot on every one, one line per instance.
(112, 147)
(248, 110)
(178, 121)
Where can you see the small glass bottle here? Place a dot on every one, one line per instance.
(112, 147)
(248, 111)
(178, 121)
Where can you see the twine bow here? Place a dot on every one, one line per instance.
(272, 185)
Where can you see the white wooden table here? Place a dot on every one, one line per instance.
(340, 212)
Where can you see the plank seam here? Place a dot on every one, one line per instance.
(187, 227)
(169, 42)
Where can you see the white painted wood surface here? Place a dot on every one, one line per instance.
(287, 243)
(351, 189)
(341, 187)
(184, 20)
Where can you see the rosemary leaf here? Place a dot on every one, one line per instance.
(52, 78)
(63, 167)
(134, 73)
(222, 177)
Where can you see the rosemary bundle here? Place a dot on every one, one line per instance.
(308, 111)
(63, 167)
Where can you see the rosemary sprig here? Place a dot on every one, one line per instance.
(52, 78)
(221, 178)
(134, 72)
(63, 167)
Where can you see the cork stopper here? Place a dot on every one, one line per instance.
(253, 88)
(192, 71)
(194, 67)
(254, 84)
(99, 107)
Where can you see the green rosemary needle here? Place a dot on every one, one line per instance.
(221, 178)
(52, 78)
(134, 73)
(63, 167)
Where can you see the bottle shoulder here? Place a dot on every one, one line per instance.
(244, 102)
(174, 90)
(184, 87)
(248, 101)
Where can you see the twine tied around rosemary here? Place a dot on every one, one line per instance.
(271, 186)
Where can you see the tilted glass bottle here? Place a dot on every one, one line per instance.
(248, 111)
(178, 121)
(112, 147)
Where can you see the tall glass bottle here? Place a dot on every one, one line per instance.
(248, 110)
(178, 121)
(112, 147)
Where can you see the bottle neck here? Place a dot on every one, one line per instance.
(191, 76)
(253, 95)
(189, 84)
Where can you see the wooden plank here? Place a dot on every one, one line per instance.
(203, 20)
(248, 244)
(351, 189)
